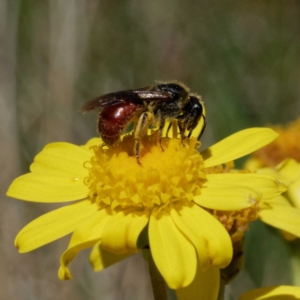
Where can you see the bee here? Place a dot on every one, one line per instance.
(152, 105)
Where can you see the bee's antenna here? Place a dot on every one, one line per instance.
(203, 128)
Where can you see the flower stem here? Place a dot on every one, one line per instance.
(221, 289)
(157, 281)
(295, 262)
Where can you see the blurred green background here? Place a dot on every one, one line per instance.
(243, 57)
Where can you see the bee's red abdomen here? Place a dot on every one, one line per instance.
(113, 119)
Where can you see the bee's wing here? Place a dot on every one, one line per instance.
(133, 96)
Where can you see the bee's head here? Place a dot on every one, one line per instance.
(193, 111)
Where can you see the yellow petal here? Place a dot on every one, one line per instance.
(172, 253)
(279, 200)
(53, 225)
(273, 173)
(267, 185)
(272, 293)
(62, 159)
(49, 188)
(252, 164)
(218, 242)
(290, 170)
(237, 145)
(123, 229)
(294, 193)
(287, 172)
(182, 217)
(93, 142)
(229, 197)
(87, 234)
(205, 284)
(283, 217)
(101, 259)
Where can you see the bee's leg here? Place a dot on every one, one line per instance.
(203, 128)
(145, 119)
(182, 128)
(137, 145)
(169, 127)
(161, 125)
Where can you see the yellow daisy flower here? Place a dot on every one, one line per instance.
(171, 203)
(272, 293)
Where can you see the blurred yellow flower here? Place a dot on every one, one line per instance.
(180, 203)
(284, 210)
(272, 293)
(281, 159)
(285, 146)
